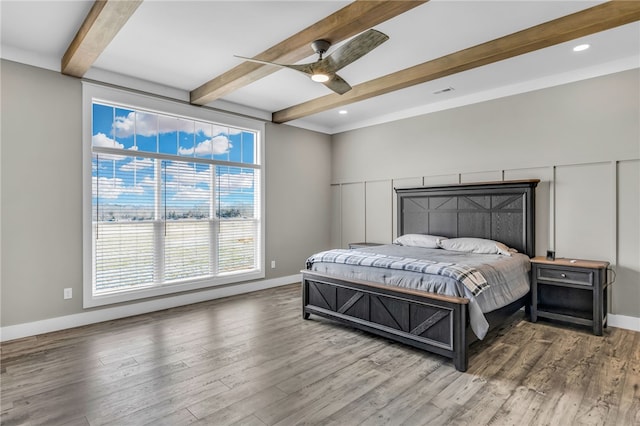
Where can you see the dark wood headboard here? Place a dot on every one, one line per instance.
(500, 211)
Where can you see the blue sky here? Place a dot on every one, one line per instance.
(130, 180)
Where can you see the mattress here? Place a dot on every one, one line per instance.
(507, 277)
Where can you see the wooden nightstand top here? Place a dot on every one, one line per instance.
(563, 261)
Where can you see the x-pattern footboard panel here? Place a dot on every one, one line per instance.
(434, 325)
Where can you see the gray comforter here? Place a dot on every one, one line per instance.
(507, 276)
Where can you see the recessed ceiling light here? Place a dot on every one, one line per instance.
(581, 47)
(343, 111)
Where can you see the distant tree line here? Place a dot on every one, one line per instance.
(116, 213)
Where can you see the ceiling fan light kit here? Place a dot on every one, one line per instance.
(324, 69)
(320, 78)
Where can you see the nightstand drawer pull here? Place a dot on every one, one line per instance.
(565, 276)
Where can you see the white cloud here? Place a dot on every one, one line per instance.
(112, 188)
(137, 164)
(218, 145)
(228, 182)
(142, 123)
(184, 174)
(103, 141)
(221, 130)
(148, 124)
(192, 193)
(188, 182)
(148, 181)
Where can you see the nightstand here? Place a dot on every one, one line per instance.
(363, 245)
(570, 290)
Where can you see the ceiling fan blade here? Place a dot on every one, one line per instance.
(354, 49)
(259, 61)
(337, 84)
(304, 68)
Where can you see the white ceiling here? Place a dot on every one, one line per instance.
(172, 47)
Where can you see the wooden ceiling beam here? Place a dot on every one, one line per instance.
(101, 25)
(346, 22)
(589, 21)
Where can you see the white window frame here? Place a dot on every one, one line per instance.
(91, 92)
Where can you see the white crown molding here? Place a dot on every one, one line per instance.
(28, 57)
(302, 124)
(34, 328)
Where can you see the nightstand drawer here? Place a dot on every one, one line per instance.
(568, 276)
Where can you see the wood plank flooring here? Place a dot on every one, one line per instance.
(252, 360)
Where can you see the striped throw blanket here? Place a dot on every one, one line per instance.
(469, 276)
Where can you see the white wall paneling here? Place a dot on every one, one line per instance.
(336, 216)
(490, 176)
(353, 214)
(544, 204)
(584, 214)
(441, 179)
(378, 210)
(626, 289)
(401, 183)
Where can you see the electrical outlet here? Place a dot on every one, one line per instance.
(273, 264)
(68, 293)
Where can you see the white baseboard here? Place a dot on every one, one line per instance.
(34, 328)
(623, 321)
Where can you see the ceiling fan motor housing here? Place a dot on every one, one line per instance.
(320, 46)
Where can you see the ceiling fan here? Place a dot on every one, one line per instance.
(324, 69)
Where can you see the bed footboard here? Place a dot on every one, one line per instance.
(427, 321)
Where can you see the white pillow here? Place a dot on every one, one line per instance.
(475, 245)
(419, 240)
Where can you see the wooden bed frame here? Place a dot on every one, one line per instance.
(501, 211)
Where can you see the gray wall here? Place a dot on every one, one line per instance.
(582, 140)
(42, 217)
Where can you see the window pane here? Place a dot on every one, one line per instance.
(168, 137)
(220, 144)
(201, 145)
(187, 249)
(124, 128)
(235, 145)
(237, 245)
(236, 191)
(187, 190)
(185, 134)
(102, 122)
(124, 255)
(122, 230)
(248, 147)
(146, 132)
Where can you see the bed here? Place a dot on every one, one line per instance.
(429, 320)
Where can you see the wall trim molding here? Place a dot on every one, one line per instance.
(624, 321)
(34, 328)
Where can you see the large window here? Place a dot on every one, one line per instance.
(175, 197)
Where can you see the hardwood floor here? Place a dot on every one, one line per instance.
(252, 360)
